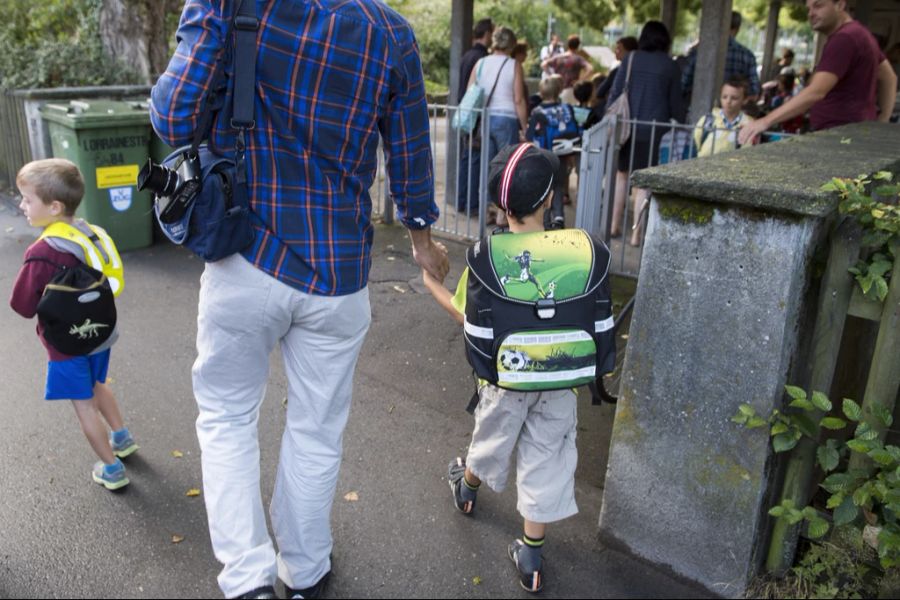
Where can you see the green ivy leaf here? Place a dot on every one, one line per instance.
(861, 446)
(833, 423)
(754, 422)
(834, 501)
(881, 456)
(852, 410)
(746, 409)
(777, 511)
(802, 403)
(846, 512)
(881, 289)
(779, 427)
(784, 442)
(865, 432)
(828, 458)
(837, 483)
(795, 392)
(862, 496)
(821, 401)
(817, 527)
(739, 419)
(883, 176)
(884, 415)
(829, 187)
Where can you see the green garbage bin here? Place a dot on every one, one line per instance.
(109, 141)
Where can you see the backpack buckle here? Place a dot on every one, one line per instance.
(545, 308)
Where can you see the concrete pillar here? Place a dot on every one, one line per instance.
(721, 315)
(769, 57)
(461, 24)
(668, 13)
(715, 26)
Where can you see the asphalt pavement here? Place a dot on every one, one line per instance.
(396, 532)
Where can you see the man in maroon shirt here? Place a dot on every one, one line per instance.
(853, 81)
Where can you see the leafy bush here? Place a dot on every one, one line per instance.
(56, 43)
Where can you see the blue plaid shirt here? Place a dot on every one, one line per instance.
(738, 61)
(332, 77)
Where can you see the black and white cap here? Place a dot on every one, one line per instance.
(520, 177)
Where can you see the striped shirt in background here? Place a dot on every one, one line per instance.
(332, 77)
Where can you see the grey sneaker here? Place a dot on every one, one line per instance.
(463, 497)
(111, 477)
(530, 565)
(126, 447)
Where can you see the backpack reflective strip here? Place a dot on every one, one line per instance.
(526, 339)
(545, 376)
(604, 325)
(485, 333)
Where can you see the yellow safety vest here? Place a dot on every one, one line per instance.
(111, 266)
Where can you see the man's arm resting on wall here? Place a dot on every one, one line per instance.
(822, 82)
(887, 91)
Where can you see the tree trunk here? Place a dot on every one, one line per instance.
(135, 32)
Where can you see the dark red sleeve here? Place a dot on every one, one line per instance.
(836, 55)
(34, 276)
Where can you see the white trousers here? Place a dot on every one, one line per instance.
(243, 312)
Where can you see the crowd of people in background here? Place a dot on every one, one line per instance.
(855, 80)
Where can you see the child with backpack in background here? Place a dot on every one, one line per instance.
(526, 399)
(552, 126)
(69, 278)
(717, 132)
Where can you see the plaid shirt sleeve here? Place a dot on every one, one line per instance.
(177, 96)
(405, 131)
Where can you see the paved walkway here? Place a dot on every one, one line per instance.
(65, 537)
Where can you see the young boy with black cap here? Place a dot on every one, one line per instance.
(540, 425)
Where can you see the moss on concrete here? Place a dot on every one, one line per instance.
(686, 211)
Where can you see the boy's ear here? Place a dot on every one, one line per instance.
(57, 208)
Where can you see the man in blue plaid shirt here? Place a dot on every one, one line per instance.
(739, 61)
(332, 77)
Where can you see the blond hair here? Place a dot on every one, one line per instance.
(54, 179)
(504, 39)
(551, 88)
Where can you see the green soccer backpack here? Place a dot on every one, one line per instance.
(538, 310)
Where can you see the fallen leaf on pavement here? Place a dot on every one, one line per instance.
(476, 580)
(192, 492)
(177, 539)
(352, 497)
(177, 453)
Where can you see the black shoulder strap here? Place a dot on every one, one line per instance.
(242, 50)
(45, 260)
(478, 259)
(246, 25)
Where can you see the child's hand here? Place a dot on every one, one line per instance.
(430, 280)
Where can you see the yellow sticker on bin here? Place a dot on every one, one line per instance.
(117, 176)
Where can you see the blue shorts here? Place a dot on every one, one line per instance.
(74, 379)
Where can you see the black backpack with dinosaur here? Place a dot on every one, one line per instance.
(77, 310)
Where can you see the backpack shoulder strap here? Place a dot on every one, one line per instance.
(45, 260)
(478, 259)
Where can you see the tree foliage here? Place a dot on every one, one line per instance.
(56, 43)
